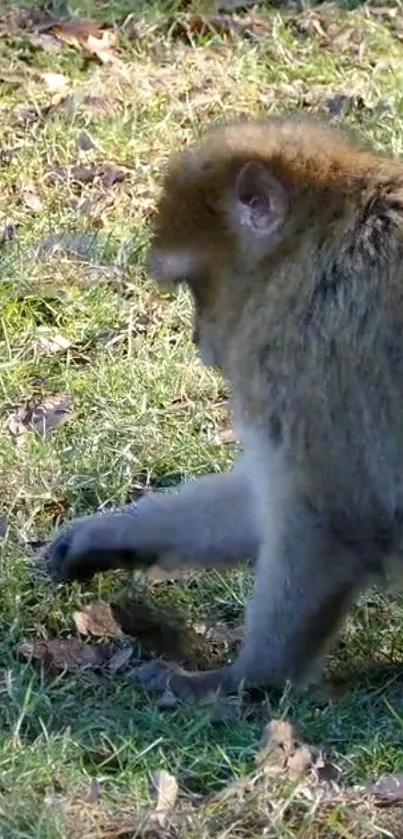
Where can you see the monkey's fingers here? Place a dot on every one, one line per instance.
(96, 543)
(66, 561)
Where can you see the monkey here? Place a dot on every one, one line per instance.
(289, 236)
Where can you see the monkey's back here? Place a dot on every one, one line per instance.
(328, 342)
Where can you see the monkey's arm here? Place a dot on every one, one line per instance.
(207, 523)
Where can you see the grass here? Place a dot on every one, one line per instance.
(145, 412)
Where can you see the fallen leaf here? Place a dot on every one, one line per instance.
(66, 654)
(97, 619)
(311, 24)
(383, 11)
(107, 174)
(224, 436)
(41, 417)
(55, 344)
(95, 40)
(165, 787)
(279, 741)
(303, 759)
(283, 751)
(30, 198)
(55, 81)
(102, 46)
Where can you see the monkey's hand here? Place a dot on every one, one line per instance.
(162, 675)
(96, 543)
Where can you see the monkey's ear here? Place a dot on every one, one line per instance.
(261, 200)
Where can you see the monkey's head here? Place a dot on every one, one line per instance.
(236, 202)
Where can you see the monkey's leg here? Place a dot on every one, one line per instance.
(305, 582)
(207, 523)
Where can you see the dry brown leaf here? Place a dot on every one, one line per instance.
(279, 741)
(283, 751)
(55, 344)
(65, 654)
(108, 174)
(165, 787)
(41, 417)
(30, 198)
(97, 619)
(55, 81)
(301, 761)
(383, 11)
(311, 24)
(96, 41)
(225, 436)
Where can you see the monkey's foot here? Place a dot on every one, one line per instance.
(95, 543)
(191, 686)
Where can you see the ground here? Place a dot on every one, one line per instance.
(103, 396)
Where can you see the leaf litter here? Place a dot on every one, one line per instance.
(165, 789)
(106, 174)
(42, 31)
(98, 620)
(95, 40)
(65, 654)
(41, 417)
(260, 804)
